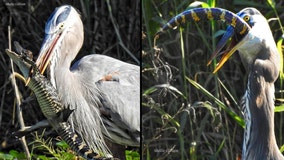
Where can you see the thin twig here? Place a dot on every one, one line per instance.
(2, 104)
(18, 100)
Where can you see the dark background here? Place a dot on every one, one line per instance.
(27, 21)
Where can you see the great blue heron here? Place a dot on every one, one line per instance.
(104, 92)
(260, 56)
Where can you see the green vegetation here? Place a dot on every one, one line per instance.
(188, 112)
(43, 149)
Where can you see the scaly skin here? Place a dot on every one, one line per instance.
(51, 106)
(198, 14)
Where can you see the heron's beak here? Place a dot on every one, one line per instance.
(226, 37)
(234, 45)
(46, 51)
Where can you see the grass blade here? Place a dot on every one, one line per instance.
(233, 115)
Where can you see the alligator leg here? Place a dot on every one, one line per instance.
(29, 129)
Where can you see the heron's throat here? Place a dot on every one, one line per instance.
(259, 135)
(59, 71)
(63, 55)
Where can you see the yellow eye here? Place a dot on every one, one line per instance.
(246, 18)
(61, 26)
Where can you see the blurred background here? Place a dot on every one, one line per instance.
(187, 111)
(27, 22)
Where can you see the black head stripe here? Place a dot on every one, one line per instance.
(249, 11)
(63, 15)
(59, 15)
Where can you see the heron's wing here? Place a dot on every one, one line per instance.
(121, 112)
(118, 85)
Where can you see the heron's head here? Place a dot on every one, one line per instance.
(248, 45)
(64, 36)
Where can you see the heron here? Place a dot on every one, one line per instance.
(260, 57)
(103, 92)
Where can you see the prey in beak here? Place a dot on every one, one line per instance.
(45, 54)
(54, 30)
(236, 41)
(46, 51)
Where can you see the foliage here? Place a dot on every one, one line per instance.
(62, 150)
(188, 112)
(45, 148)
(132, 155)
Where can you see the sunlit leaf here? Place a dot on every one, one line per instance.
(271, 3)
(279, 108)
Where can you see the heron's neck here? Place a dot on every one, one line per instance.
(260, 110)
(66, 51)
(60, 74)
(64, 54)
(259, 137)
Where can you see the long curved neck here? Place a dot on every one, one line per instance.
(259, 138)
(260, 121)
(69, 44)
(65, 53)
(59, 71)
(60, 74)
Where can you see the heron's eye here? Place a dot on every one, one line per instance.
(246, 18)
(61, 26)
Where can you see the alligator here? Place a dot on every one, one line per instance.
(50, 105)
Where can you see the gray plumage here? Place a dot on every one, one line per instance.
(262, 61)
(104, 92)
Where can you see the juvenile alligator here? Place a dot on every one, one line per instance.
(50, 104)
